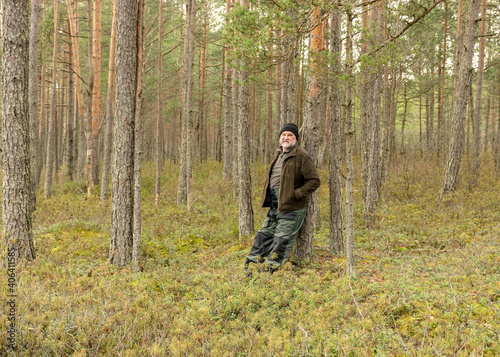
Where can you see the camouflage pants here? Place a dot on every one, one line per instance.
(274, 241)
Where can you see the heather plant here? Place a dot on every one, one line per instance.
(427, 278)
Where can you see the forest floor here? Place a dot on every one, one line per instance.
(427, 276)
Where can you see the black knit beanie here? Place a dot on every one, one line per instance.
(291, 127)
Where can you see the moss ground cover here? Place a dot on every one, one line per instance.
(427, 282)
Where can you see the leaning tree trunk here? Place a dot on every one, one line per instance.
(16, 193)
(336, 217)
(122, 205)
(461, 83)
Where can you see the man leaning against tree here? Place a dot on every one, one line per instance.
(291, 178)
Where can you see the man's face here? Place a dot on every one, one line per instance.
(287, 140)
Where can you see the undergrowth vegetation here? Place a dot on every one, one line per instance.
(427, 276)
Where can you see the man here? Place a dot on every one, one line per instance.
(290, 180)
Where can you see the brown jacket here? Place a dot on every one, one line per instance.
(299, 178)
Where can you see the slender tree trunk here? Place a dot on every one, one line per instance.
(227, 112)
(430, 127)
(349, 134)
(461, 82)
(246, 224)
(33, 98)
(122, 199)
(442, 71)
(311, 125)
(487, 122)
(403, 123)
(17, 230)
(228, 161)
(96, 53)
(90, 95)
(384, 152)
(71, 118)
(476, 124)
(159, 156)
(336, 217)
(496, 145)
(137, 231)
(236, 123)
(269, 121)
(370, 112)
(185, 187)
(202, 127)
(110, 107)
(72, 10)
(51, 138)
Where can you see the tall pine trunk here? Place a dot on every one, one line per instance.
(35, 153)
(461, 83)
(51, 138)
(246, 224)
(137, 230)
(122, 199)
(17, 230)
(185, 184)
(110, 107)
(349, 137)
(228, 122)
(311, 130)
(159, 108)
(476, 124)
(336, 217)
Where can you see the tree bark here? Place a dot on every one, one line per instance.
(70, 135)
(336, 216)
(476, 124)
(122, 205)
(159, 115)
(311, 130)
(349, 135)
(246, 224)
(442, 73)
(51, 138)
(185, 186)
(461, 83)
(110, 107)
(17, 230)
(35, 153)
(372, 21)
(236, 124)
(137, 231)
(91, 143)
(228, 161)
